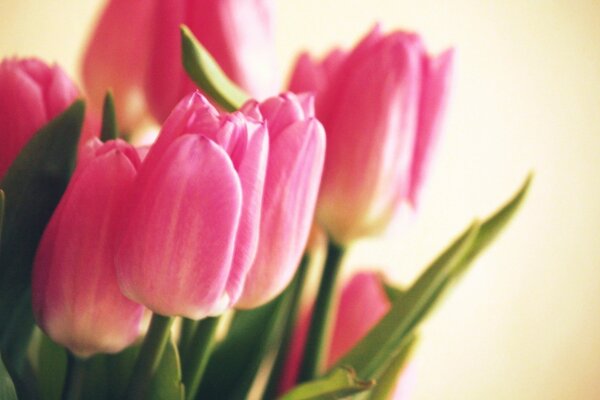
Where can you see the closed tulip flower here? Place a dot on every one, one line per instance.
(297, 149)
(362, 304)
(76, 296)
(193, 235)
(32, 94)
(382, 105)
(116, 58)
(136, 49)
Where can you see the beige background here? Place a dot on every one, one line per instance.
(525, 323)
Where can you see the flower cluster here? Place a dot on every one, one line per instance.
(214, 216)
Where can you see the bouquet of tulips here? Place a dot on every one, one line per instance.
(179, 269)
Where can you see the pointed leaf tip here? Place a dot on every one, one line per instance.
(494, 224)
(376, 351)
(109, 129)
(206, 73)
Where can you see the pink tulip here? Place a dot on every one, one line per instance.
(137, 45)
(297, 149)
(116, 58)
(362, 304)
(76, 296)
(191, 239)
(32, 94)
(381, 104)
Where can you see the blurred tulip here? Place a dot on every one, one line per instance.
(137, 44)
(381, 104)
(297, 149)
(117, 56)
(193, 235)
(32, 94)
(362, 304)
(76, 297)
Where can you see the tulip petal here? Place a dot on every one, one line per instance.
(293, 176)
(251, 166)
(192, 114)
(22, 111)
(76, 297)
(434, 98)
(176, 252)
(371, 133)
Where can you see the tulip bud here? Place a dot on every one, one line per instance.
(189, 243)
(381, 105)
(116, 58)
(32, 94)
(297, 149)
(239, 35)
(76, 297)
(362, 304)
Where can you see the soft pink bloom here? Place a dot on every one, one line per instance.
(32, 94)
(136, 46)
(362, 304)
(193, 235)
(117, 57)
(76, 297)
(297, 149)
(381, 104)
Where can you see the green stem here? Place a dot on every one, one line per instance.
(319, 334)
(200, 348)
(149, 357)
(74, 379)
(288, 332)
(188, 328)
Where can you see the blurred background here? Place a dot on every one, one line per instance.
(525, 322)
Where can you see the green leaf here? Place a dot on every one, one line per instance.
(7, 388)
(95, 379)
(109, 129)
(340, 382)
(33, 186)
(388, 381)
(392, 292)
(374, 353)
(1, 213)
(236, 361)
(494, 224)
(295, 293)
(19, 328)
(208, 75)
(119, 367)
(52, 368)
(166, 384)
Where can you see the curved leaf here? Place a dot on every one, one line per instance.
(7, 388)
(207, 74)
(387, 382)
(51, 368)
(166, 384)
(376, 351)
(33, 187)
(340, 382)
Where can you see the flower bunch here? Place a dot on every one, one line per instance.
(206, 229)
